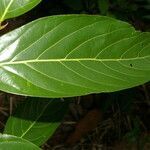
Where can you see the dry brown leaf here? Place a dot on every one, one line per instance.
(84, 126)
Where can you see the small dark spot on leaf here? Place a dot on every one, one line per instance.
(131, 65)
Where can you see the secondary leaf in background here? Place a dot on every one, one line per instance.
(61, 56)
(14, 8)
(36, 119)
(9, 142)
(103, 6)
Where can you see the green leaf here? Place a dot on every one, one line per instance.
(36, 119)
(14, 8)
(62, 56)
(9, 142)
(103, 6)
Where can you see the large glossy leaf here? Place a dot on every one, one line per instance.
(14, 8)
(71, 55)
(9, 142)
(36, 119)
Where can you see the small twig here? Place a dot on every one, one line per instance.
(78, 100)
(10, 105)
(3, 26)
(147, 97)
(2, 124)
(4, 113)
(69, 122)
(58, 146)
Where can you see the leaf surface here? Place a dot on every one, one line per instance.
(9, 142)
(14, 8)
(69, 55)
(36, 119)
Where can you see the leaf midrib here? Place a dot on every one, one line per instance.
(71, 60)
(6, 10)
(33, 123)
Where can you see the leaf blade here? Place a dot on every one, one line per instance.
(36, 119)
(84, 54)
(14, 8)
(10, 142)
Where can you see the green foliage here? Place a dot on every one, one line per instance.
(36, 119)
(14, 8)
(73, 55)
(9, 142)
(64, 56)
(103, 6)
